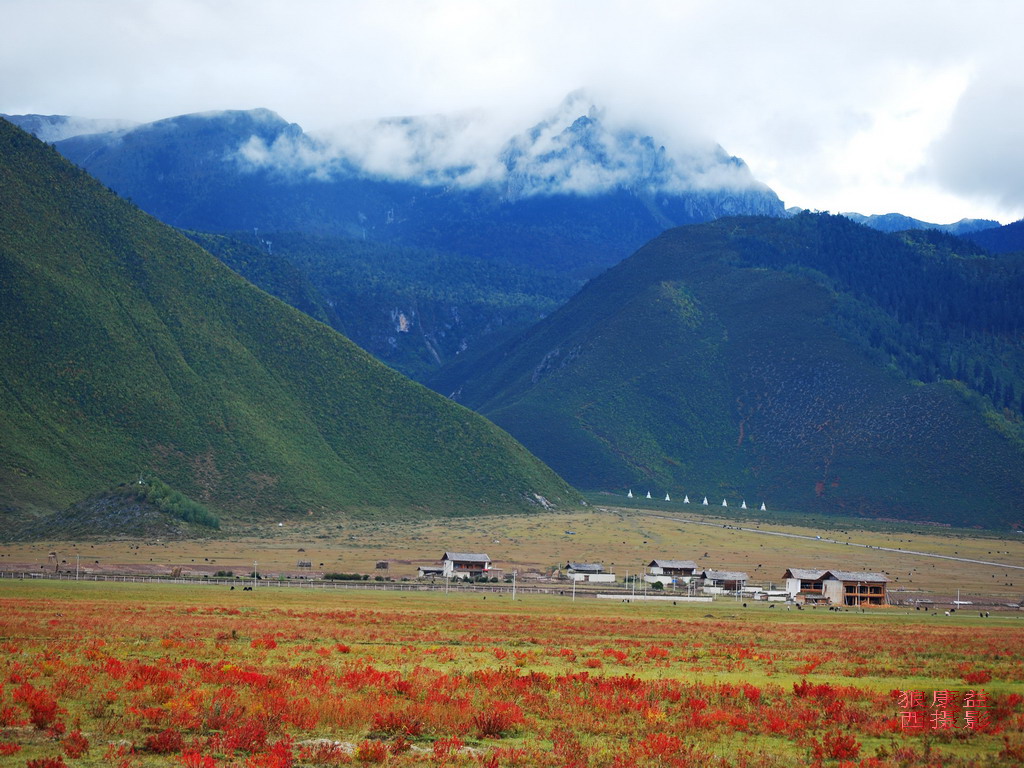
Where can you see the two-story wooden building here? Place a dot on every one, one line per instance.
(464, 565)
(835, 587)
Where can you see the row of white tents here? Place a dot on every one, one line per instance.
(686, 500)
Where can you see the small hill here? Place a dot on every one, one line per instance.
(809, 362)
(146, 507)
(126, 348)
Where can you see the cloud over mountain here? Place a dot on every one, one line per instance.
(577, 149)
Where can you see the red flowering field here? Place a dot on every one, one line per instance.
(124, 675)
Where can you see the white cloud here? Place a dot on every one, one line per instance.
(575, 150)
(981, 155)
(827, 102)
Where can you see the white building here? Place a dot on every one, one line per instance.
(670, 572)
(588, 572)
(464, 565)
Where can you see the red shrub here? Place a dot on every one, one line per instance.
(75, 745)
(325, 752)
(568, 749)
(372, 752)
(194, 759)
(837, 745)
(806, 690)
(248, 736)
(408, 723)
(658, 746)
(498, 719)
(168, 740)
(42, 707)
(279, 756)
(47, 762)
(655, 653)
(444, 748)
(977, 677)
(1013, 750)
(9, 718)
(9, 748)
(223, 710)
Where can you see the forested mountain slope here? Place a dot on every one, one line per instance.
(462, 250)
(124, 348)
(809, 362)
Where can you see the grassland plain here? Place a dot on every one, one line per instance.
(138, 676)
(624, 539)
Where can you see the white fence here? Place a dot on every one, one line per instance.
(312, 584)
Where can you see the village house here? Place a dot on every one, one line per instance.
(804, 585)
(464, 565)
(588, 572)
(670, 572)
(836, 587)
(719, 582)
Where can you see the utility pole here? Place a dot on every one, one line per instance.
(514, 584)
(574, 589)
(254, 575)
(78, 563)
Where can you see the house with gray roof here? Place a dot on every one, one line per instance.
(836, 587)
(464, 565)
(670, 572)
(717, 582)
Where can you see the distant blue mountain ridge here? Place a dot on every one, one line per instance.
(897, 222)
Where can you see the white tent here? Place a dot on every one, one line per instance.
(667, 498)
(630, 494)
(725, 503)
(648, 494)
(686, 499)
(705, 501)
(763, 507)
(743, 505)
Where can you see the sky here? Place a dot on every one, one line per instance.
(914, 107)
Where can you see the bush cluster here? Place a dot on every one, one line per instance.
(175, 503)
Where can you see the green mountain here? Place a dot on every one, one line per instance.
(126, 348)
(810, 363)
(438, 252)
